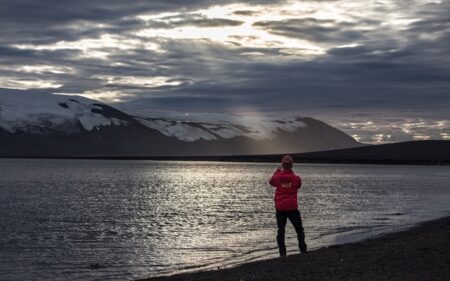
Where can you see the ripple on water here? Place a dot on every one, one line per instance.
(122, 220)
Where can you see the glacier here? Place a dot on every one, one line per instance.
(40, 112)
(211, 126)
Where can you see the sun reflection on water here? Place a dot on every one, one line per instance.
(136, 219)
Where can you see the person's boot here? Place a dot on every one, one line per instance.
(303, 248)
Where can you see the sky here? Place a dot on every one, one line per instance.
(377, 69)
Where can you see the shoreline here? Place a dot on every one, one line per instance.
(430, 152)
(246, 159)
(417, 253)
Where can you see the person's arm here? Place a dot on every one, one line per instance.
(297, 182)
(274, 180)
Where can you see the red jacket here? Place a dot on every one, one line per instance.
(287, 184)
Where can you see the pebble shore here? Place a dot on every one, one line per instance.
(419, 253)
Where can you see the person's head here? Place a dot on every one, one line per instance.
(287, 162)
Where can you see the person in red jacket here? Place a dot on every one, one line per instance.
(287, 184)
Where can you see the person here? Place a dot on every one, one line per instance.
(287, 184)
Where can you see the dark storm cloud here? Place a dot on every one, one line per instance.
(170, 22)
(29, 21)
(313, 29)
(56, 11)
(6, 51)
(245, 13)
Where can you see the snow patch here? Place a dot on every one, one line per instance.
(40, 112)
(176, 129)
(211, 126)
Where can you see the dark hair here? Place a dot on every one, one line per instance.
(287, 162)
(287, 166)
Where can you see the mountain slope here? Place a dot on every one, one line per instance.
(431, 150)
(47, 125)
(410, 152)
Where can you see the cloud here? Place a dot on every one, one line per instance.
(317, 30)
(385, 130)
(28, 21)
(191, 19)
(6, 51)
(291, 56)
(245, 13)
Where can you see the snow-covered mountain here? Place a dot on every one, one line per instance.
(44, 113)
(43, 124)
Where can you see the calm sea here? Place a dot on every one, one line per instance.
(122, 220)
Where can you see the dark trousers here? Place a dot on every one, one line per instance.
(296, 220)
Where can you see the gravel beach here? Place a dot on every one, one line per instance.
(420, 253)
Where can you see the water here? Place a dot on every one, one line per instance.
(122, 220)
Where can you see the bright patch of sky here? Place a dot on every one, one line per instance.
(393, 129)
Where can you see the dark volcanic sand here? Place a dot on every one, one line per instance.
(421, 253)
